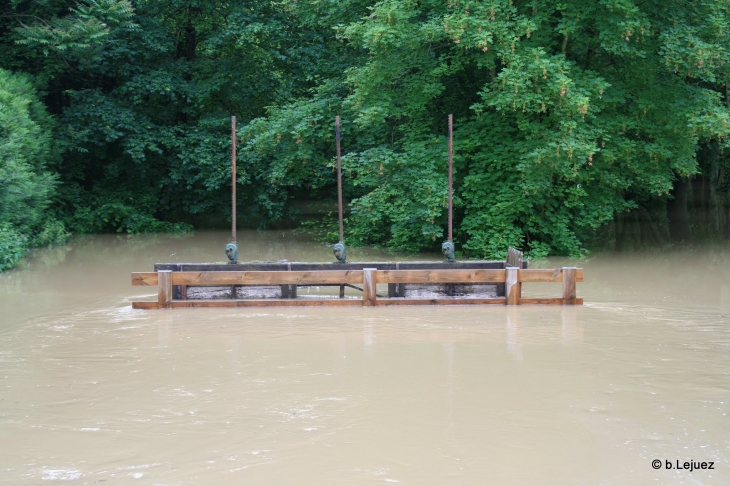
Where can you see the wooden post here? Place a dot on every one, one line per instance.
(511, 286)
(515, 259)
(569, 285)
(368, 286)
(342, 291)
(164, 288)
(392, 292)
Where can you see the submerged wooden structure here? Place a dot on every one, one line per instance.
(276, 284)
(409, 283)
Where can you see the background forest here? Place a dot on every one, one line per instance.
(571, 118)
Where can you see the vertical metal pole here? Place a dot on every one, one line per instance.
(451, 163)
(233, 179)
(339, 175)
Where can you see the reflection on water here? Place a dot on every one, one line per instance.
(94, 391)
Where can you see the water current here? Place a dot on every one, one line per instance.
(92, 391)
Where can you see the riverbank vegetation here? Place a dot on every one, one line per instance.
(569, 117)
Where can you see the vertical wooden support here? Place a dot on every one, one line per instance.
(342, 291)
(164, 288)
(511, 286)
(392, 291)
(183, 292)
(368, 286)
(569, 285)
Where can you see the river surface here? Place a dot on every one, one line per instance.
(92, 391)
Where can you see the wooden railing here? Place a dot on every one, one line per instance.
(512, 277)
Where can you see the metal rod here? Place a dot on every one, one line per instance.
(339, 176)
(451, 163)
(233, 179)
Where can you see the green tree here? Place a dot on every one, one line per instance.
(566, 115)
(26, 185)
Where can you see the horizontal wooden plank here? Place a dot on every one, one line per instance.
(268, 303)
(254, 303)
(345, 302)
(144, 278)
(439, 276)
(444, 301)
(145, 305)
(465, 265)
(546, 275)
(306, 266)
(548, 301)
(268, 278)
(351, 276)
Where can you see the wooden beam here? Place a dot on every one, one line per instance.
(445, 301)
(144, 278)
(546, 275)
(439, 276)
(369, 288)
(569, 287)
(342, 302)
(175, 304)
(549, 301)
(268, 278)
(512, 286)
(164, 288)
(145, 305)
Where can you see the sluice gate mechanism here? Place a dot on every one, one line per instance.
(402, 283)
(408, 283)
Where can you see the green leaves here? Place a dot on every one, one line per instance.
(26, 185)
(566, 113)
(90, 23)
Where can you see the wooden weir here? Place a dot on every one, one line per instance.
(172, 280)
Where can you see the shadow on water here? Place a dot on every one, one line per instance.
(697, 217)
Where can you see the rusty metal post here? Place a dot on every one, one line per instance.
(233, 179)
(451, 164)
(339, 176)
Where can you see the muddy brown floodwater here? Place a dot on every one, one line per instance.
(92, 391)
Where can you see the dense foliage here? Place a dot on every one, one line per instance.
(566, 113)
(25, 181)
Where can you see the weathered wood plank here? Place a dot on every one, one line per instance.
(546, 275)
(145, 305)
(144, 278)
(164, 288)
(514, 258)
(369, 287)
(268, 278)
(569, 287)
(268, 303)
(439, 276)
(447, 301)
(511, 286)
(549, 301)
(465, 265)
(345, 302)
(302, 266)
